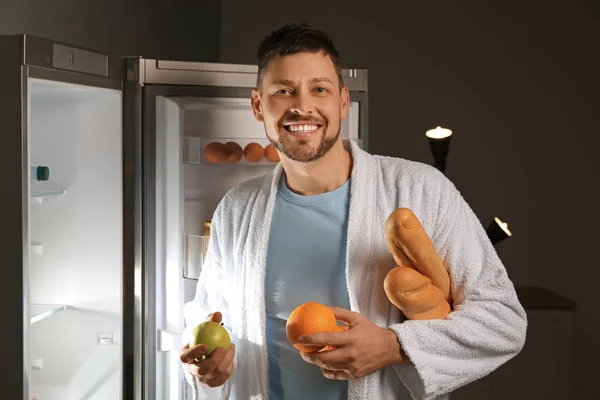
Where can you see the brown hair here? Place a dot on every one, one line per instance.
(292, 39)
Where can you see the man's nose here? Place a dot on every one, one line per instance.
(303, 104)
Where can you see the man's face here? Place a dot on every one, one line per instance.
(301, 105)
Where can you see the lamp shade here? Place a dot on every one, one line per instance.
(497, 231)
(439, 142)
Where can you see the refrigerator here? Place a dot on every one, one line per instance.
(106, 208)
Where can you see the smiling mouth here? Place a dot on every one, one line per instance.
(301, 128)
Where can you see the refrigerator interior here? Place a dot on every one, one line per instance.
(189, 187)
(76, 257)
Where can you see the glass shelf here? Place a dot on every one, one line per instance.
(45, 193)
(38, 312)
(37, 195)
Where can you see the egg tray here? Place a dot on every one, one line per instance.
(193, 150)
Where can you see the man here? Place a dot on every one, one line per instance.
(313, 230)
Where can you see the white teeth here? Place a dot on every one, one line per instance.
(303, 128)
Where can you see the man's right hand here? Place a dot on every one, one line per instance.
(215, 370)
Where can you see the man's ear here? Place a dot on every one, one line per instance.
(257, 105)
(345, 102)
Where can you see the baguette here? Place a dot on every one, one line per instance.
(420, 285)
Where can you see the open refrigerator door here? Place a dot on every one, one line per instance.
(64, 144)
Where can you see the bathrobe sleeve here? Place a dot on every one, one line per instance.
(487, 326)
(208, 299)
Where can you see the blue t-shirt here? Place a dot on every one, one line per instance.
(306, 261)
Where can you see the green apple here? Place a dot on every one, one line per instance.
(211, 334)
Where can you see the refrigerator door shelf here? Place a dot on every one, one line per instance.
(193, 152)
(193, 252)
(169, 341)
(38, 312)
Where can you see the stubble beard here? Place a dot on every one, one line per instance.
(302, 151)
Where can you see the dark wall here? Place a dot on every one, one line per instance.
(160, 29)
(519, 87)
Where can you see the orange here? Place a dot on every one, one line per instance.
(308, 318)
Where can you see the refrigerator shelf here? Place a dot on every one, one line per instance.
(37, 247)
(38, 195)
(38, 312)
(193, 151)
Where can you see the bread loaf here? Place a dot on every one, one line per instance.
(420, 285)
(414, 294)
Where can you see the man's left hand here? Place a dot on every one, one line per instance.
(358, 351)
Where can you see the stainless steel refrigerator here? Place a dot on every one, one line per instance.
(106, 204)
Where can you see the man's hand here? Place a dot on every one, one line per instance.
(358, 351)
(214, 370)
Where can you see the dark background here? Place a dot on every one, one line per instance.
(517, 82)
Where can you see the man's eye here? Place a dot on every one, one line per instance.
(283, 91)
(321, 90)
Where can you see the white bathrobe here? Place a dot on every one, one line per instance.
(486, 328)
